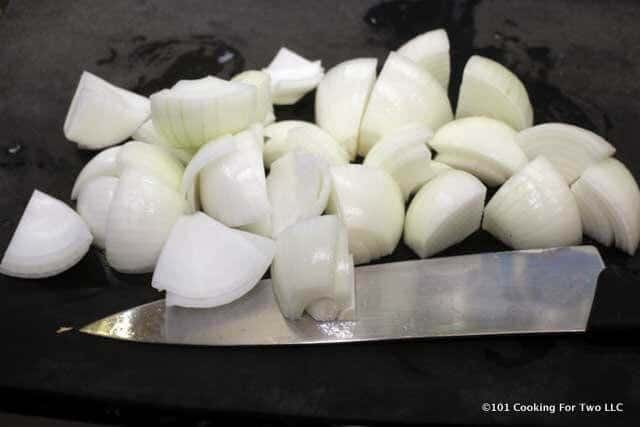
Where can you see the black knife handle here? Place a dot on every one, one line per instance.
(615, 311)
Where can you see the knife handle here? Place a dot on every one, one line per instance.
(615, 311)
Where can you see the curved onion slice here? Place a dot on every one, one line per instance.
(233, 190)
(151, 160)
(430, 50)
(437, 167)
(102, 114)
(307, 137)
(141, 215)
(279, 130)
(370, 204)
(481, 146)
(404, 93)
(262, 83)
(292, 76)
(534, 209)
(298, 186)
(50, 238)
(489, 89)
(444, 212)
(148, 133)
(93, 206)
(403, 153)
(341, 98)
(570, 149)
(206, 264)
(609, 202)
(105, 163)
(195, 112)
(312, 270)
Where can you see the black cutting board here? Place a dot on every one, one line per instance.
(580, 61)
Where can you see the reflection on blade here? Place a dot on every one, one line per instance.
(535, 291)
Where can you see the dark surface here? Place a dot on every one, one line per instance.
(580, 61)
(614, 313)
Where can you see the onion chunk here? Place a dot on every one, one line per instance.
(430, 50)
(292, 76)
(93, 206)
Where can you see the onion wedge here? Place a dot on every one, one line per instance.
(445, 211)
(341, 98)
(534, 209)
(482, 146)
(262, 82)
(292, 76)
(313, 271)
(151, 160)
(403, 153)
(489, 89)
(609, 202)
(430, 50)
(148, 133)
(105, 163)
(569, 148)
(370, 204)
(404, 93)
(102, 114)
(141, 215)
(50, 238)
(93, 206)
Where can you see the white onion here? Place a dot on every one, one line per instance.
(489, 89)
(50, 238)
(279, 130)
(404, 93)
(93, 206)
(148, 133)
(292, 76)
(370, 204)
(195, 112)
(403, 153)
(609, 202)
(312, 270)
(341, 98)
(141, 215)
(307, 137)
(437, 167)
(298, 185)
(262, 83)
(105, 163)
(151, 160)
(206, 264)
(569, 148)
(102, 114)
(445, 211)
(481, 146)
(430, 50)
(534, 209)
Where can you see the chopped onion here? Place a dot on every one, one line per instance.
(262, 83)
(141, 215)
(430, 50)
(341, 98)
(312, 270)
(569, 148)
(292, 76)
(609, 202)
(437, 167)
(404, 93)
(370, 204)
(93, 206)
(148, 133)
(445, 211)
(50, 238)
(206, 264)
(298, 185)
(489, 89)
(195, 112)
(105, 163)
(102, 114)
(403, 153)
(279, 130)
(151, 160)
(481, 146)
(534, 209)
(307, 137)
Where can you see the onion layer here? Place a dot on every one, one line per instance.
(445, 211)
(148, 133)
(534, 209)
(93, 206)
(151, 160)
(430, 50)
(50, 238)
(262, 82)
(105, 163)
(292, 76)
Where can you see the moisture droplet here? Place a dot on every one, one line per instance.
(15, 149)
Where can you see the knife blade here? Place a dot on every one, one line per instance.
(516, 292)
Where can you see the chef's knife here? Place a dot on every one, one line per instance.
(518, 292)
